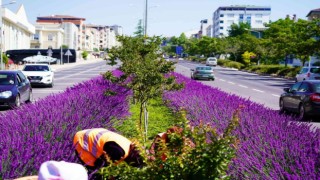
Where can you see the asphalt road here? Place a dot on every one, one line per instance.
(264, 90)
(67, 77)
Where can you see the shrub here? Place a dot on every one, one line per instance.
(44, 130)
(272, 146)
(180, 159)
(230, 64)
(85, 55)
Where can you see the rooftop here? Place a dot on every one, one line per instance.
(60, 17)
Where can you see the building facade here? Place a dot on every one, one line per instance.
(314, 14)
(48, 36)
(60, 19)
(17, 32)
(225, 16)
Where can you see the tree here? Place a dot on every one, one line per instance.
(139, 29)
(144, 71)
(239, 29)
(283, 38)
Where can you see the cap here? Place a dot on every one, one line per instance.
(61, 170)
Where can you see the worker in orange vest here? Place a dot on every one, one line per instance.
(95, 146)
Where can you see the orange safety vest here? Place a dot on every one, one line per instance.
(89, 144)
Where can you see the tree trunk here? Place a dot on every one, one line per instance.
(146, 116)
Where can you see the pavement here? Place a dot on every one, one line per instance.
(58, 67)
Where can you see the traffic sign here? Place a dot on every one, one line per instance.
(68, 53)
(49, 52)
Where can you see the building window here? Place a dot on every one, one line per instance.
(258, 21)
(221, 22)
(221, 15)
(50, 37)
(36, 36)
(221, 27)
(258, 15)
(240, 17)
(230, 15)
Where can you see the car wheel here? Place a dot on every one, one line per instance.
(51, 85)
(17, 102)
(281, 105)
(302, 113)
(29, 100)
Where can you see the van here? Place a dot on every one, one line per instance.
(308, 73)
(211, 61)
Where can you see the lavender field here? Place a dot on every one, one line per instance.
(272, 146)
(44, 131)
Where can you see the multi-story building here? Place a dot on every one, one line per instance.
(71, 35)
(314, 14)
(59, 19)
(48, 36)
(225, 16)
(17, 31)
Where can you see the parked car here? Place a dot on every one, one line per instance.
(39, 74)
(211, 61)
(202, 72)
(15, 88)
(302, 98)
(40, 59)
(308, 73)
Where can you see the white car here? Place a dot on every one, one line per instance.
(308, 73)
(39, 74)
(212, 61)
(40, 59)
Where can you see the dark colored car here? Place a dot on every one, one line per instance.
(15, 88)
(302, 98)
(202, 72)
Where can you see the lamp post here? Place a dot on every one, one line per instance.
(146, 19)
(1, 33)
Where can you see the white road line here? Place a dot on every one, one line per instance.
(243, 86)
(257, 90)
(275, 95)
(222, 80)
(231, 82)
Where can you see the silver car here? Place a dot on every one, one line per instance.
(308, 73)
(212, 61)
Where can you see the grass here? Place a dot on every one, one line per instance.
(160, 119)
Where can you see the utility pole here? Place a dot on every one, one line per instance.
(1, 45)
(146, 19)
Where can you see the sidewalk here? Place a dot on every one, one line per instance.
(58, 67)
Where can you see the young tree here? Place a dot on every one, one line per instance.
(144, 70)
(139, 29)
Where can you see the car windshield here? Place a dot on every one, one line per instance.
(204, 68)
(212, 59)
(6, 79)
(303, 70)
(36, 68)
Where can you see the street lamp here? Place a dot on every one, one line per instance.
(146, 19)
(1, 32)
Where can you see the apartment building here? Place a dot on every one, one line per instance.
(225, 16)
(61, 19)
(314, 14)
(48, 36)
(17, 31)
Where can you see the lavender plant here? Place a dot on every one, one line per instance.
(44, 130)
(272, 146)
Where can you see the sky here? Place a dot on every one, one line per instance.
(165, 17)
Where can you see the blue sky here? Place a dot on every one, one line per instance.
(165, 17)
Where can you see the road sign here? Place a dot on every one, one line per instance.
(49, 52)
(39, 53)
(179, 50)
(68, 53)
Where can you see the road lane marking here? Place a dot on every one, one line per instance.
(222, 80)
(258, 90)
(231, 82)
(243, 86)
(275, 95)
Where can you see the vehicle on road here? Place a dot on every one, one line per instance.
(40, 59)
(211, 61)
(15, 88)
(302, 98)
(39, 74)
(308, 73)
(202, 72)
